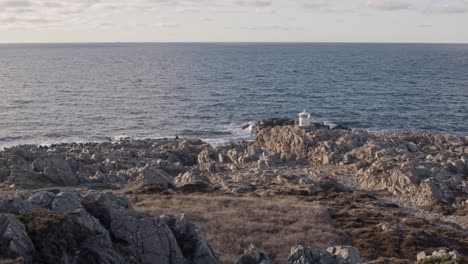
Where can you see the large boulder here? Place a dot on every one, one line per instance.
(14, 240)
(191, 241)
(75, 237)
(147, 239)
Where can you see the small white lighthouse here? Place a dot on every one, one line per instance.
(304, 119)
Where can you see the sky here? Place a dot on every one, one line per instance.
(44, 21)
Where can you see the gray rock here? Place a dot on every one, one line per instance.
(148, 239)
(57, 170)
(206, 160)
(345, 254)
(14, 241)
(155, 177)
(75, 237)
(193, 181)
(15, 204)
(66, 202)
(42, 199)
(332, 255)
(191, 241)
(253, 255)
(302, 255)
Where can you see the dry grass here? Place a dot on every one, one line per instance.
(230, 224)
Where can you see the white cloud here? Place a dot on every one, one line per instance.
(388, 5)
(448, 7)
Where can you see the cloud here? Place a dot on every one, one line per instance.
(15, 3)
(388, 5)
(314, 4)
(254, 3)
(459, 7)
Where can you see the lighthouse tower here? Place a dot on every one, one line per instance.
(304, 119)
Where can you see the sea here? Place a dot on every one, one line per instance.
(52, 93)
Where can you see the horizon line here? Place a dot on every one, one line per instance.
(228, 42)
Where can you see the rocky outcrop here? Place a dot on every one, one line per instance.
(98, 227)
(426, 168)
(193, 245)
(253, 255)
(150, 179)
(108, 164)
(193, 181)
(42, 199)
(14, 241)
(333, 255)
(15, 204)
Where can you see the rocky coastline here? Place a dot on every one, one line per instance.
(392, 195)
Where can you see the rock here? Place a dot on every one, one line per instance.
(253, 255)
(191, 241)
(74, 237)
(155, 177)
(206, 160)
(147, 238)
(345, 254)
(341, 127)
(15, 204)
(42, 199)
(440, 256)
(151, 179)
(14, 241)
(421, 256)
(302, 255)
(57, 170)
(332, 255)
(193, 181)
(66, 202)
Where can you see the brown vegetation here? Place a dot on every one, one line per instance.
(231, 223)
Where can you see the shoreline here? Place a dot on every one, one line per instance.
(116, 138)
(383, 181)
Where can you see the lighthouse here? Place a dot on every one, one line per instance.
(304, 119)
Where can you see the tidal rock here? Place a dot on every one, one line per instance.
(14, 240)
(191, 241)
(253, 255)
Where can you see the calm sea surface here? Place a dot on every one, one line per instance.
(97, 92)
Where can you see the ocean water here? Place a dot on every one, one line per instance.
(98, 92)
